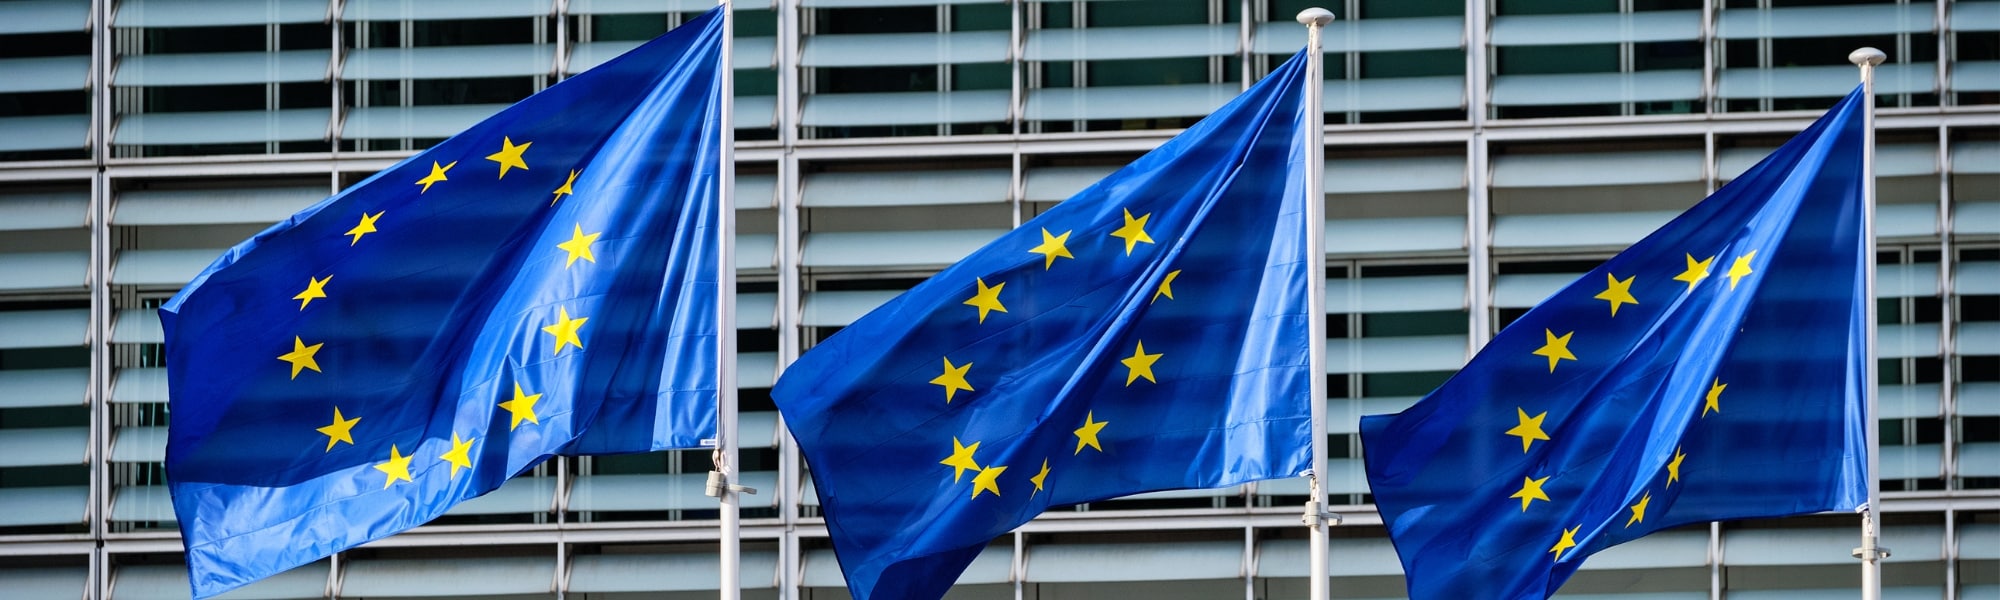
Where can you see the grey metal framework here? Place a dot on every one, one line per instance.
(1444, 223)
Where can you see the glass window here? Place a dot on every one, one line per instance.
(44, 102)
(1563, 59)
(1977, 366)
(1780, 56)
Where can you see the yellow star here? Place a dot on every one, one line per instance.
(397, 467)
(1134, 231)
(1140, 364)
(301, 356)
(1556, 349)
(565, 330)
(460, 454)
(960, 459)
(953, 379)
(1617, 292)
(1639, 510)
(437, 175)
(1087, 435)
(522, 407)
(366, 227)
(1674, 468)
(987, 299)
(315, 288)
(1166, 287)
(1568, 541)
(1740, 268)
(568, 187)
(1529, 430)
(987, 480)
(340, 431)
(1714, 398)
(1053, 247)
(1039, 478)
(1531, 490)
(578, 246)
(1697, 270)
(509, 155)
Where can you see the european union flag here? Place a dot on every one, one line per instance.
(543, 283)
(1149, 333)
(1714, 370)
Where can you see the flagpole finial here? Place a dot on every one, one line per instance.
(1864, 56)
(1315, 16)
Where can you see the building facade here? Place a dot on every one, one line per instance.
(1479, 155)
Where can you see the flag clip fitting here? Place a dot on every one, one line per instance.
(717, 482)
(1871, 552)
(1315, 516)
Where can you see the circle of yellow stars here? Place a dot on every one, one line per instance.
(521, 407)
(988, 298)
(1556, 348)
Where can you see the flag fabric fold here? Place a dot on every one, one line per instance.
(1148, 333)
(1714, 370)
(543, 283)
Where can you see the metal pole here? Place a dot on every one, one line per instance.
(1870, 552)
(730, 584)
(1315, 19)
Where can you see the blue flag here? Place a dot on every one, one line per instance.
(543, 283)
(1149, 333)
(1714, 370)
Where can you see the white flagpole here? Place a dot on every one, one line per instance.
(1870, 552)
(1316, 517)
(722, 482)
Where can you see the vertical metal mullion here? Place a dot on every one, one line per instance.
(335, 105)
(1079, 72)
(97, 498)
(944, 80)
(562, 39)
(405, 95)
(1215, 63)
(1244, 50)
(1018, 571)
(1476, 62)
(1017, 188)
(1017, 65)
(273, 42)
(1350, 61)
(1710, 171)
(1947, 338)
(1764, 102)
(1478, 238)
(1944, 58)
(1715, 556)
(334, 567)
(1712, 49)
(1903, 55)
(806, 78)
(1950, 554)
(1627, 59)
(560, 585)
(1249, 563)
(790, 288)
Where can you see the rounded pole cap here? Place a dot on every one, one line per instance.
(1867, 56)
(1315, 16)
